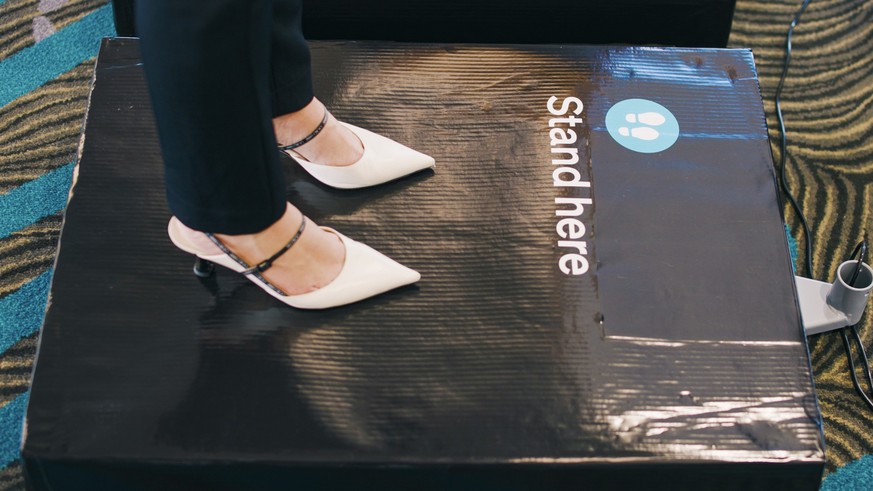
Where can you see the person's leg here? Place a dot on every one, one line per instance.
(207, 66)
(290, 67)
(295, 110)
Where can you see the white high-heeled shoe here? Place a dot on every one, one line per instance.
(383, 160)
(365, 272)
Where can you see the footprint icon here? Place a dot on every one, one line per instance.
(650, 118)
(642, 132)
(642, 125)
(647, 133)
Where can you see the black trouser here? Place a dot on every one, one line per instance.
(218, 71)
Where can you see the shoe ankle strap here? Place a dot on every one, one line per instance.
(265, 264)
(310, 136)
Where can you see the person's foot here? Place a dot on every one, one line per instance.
(313, 262)
(335, 145)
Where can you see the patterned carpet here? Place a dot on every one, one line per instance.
(828, 110)
(46, 56)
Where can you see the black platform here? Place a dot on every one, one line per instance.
(677, 361)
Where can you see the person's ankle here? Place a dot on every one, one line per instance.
(266, 242)
(334, 144)
(293, 127)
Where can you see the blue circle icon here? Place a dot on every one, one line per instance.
(642, 125)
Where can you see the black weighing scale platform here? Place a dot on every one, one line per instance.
(611, 312)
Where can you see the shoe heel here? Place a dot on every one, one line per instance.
(203, 268)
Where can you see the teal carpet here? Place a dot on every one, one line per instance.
(47, 48)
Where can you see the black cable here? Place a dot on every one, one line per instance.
(861, 247)
(852, 365)
(784, 144)
(864, 358)
(860, 251)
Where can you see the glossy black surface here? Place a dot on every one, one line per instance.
(703, 23)
(682, 345)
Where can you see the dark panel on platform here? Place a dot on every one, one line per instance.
(497, 370)
(644, 22)
(704, 23)
(704, 476)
